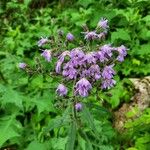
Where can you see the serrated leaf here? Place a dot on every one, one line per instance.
(120, 34)
(8, 129)
(88, 117)
(59, 121)
(11, 96)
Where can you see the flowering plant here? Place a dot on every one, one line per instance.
(83, 66)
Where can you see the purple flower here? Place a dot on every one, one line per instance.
(82, 87)
(42, 41)
(94, 72)
(107, 50)
(70, 37)
(58, 66)
(122, 53)
(78, 106)
(77, 57)
(89, 58)
(108, 72)
(69, 71)
(61, 90)
(22, 65)
(47, 55)
(100, 55)
(61, 59)
(103, 23)
(91, 35)
(102, 35)
(108, 83)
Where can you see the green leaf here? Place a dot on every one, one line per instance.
(88, 117)
(59, 121)
(35, 145)
(85, 3)
(71, 137)
(13, 97)
(8, 129)
(120, 34)
(59, 143)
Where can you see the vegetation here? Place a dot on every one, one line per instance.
(32, 116)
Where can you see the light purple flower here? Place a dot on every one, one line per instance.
(61, 90)
(42, 41)
(61, 59)
(77, 57)
(91, 35)
(70, 37)
(108, 72)
(47, 55)
(100, 55)
(69, 71)
(122, 53)
(94, 72)
(78, 106)
(103, 23)
(83, 86)
(58, 66)
(108, 83)
(90, 58)
(107, 50)
(22, 65)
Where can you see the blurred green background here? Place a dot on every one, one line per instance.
(26, 101)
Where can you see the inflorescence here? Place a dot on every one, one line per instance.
(85, 66)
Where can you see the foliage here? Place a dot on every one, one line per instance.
(31, 115)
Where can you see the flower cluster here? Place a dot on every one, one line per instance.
(85, 65)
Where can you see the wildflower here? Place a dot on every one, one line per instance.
(78, 106)
(108, 83)
(100, 55)
(58, 66)
(47, 55)
(82, 87)
(107, 50)
(94, 72)
(22, 65)
(103, 23)
(77, 56)
(69, 71)
(122, 53)
(42, 41)
(61, 90)
(91, 35)
(70, 37)
(108, 72)
(89, 58)
(61, 59)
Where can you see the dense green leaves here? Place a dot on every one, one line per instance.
(31, 116)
